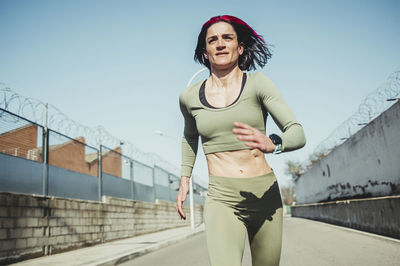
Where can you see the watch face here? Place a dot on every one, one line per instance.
(275, 139)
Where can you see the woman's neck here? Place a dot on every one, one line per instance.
(226, 77)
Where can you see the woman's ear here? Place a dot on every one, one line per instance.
(205, 55)
(241, 48)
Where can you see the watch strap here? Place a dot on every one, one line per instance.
(278, 149)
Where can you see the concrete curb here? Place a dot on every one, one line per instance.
(121, 258)
(349, 229)
(116, 252)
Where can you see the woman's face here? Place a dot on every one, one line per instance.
(222, 47)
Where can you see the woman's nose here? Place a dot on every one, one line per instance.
(220, 43)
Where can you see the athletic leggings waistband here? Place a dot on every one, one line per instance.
(233, 190)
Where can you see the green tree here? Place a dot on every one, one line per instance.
(294, 169)
(288, 194)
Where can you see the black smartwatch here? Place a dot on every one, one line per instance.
(275, 139)
(278, 142)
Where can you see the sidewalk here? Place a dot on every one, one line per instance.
(118, 251)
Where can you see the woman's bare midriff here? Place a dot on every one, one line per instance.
(240, 163)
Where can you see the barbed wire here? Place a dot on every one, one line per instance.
(371, 107)
(51, 117)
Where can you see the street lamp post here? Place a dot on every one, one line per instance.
(191, 202)
(194, 75)
(159, 132)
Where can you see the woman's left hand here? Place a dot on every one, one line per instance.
(253, 137)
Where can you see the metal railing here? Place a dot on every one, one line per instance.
(36, 159)
(47, 115)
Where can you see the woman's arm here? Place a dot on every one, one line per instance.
(181, 197)
(190, 139)
(190, 142)
(292, 136)
(292, 132)
(253, 137)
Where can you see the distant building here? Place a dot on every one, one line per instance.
(22, 142)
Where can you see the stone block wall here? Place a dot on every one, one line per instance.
(33, 225)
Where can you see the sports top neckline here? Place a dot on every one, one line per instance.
(203, 100)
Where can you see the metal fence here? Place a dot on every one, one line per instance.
(34, 159)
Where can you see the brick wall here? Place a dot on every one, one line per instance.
(111, 162)
(19, 142)
(33, 226)
(69, 155)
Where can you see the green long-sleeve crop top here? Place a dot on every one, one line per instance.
(258, 98)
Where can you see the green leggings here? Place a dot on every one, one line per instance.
(236, 206)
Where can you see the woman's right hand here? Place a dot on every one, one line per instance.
(183, 190)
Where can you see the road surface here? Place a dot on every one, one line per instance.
(305, 242)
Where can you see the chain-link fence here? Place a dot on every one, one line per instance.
(35, 159)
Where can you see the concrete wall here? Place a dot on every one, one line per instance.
(365, 165)
(32, 226)
(376, 215)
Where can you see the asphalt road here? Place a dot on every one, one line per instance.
(305, 242)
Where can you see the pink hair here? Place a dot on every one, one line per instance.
(231, 19)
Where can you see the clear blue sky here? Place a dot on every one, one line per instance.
(122, 64)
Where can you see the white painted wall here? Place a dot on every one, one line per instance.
(367, 164)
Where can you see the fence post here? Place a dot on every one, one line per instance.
(131, 176)
(169, 187)
(45, 150)
(45, 178)
(154, 181)
(100, 181)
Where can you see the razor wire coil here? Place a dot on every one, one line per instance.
(372, 106)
